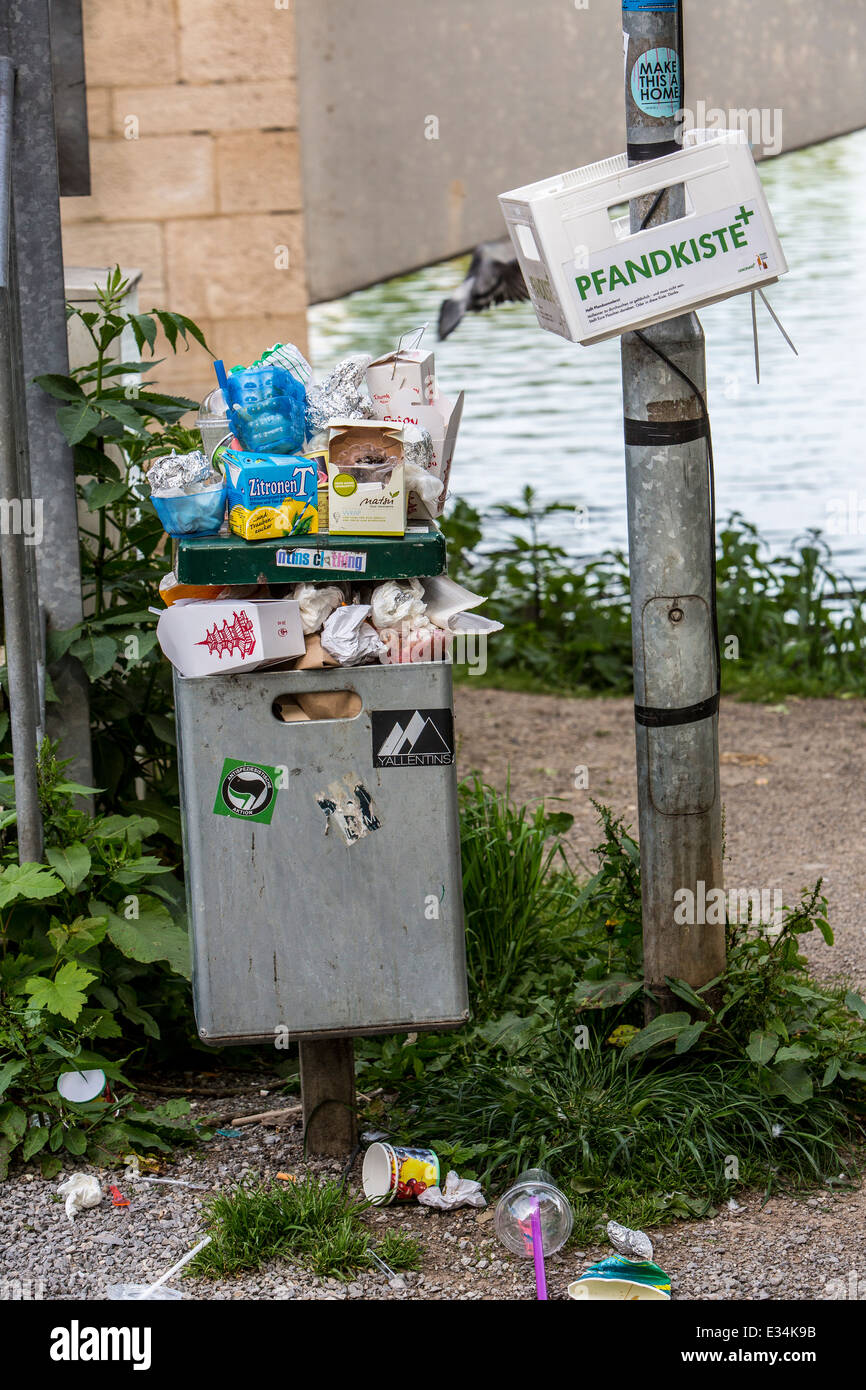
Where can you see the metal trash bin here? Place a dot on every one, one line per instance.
(322, 857)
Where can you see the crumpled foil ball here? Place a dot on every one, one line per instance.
(343, 395)
(174, 471)
(418, 446)
(636, 1245)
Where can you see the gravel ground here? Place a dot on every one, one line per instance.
(794, 785)
(807, 1249)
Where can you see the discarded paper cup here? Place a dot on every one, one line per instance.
(395, 1174)
(619, 1280)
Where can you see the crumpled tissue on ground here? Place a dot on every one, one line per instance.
(316, 602)
(81, 1190)
(397, 601)
(458, 1192)
(349, 637)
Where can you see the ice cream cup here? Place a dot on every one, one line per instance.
(392, 1173)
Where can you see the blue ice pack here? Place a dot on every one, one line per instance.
(266, 407)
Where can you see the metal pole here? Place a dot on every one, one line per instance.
(25, 34)
(20, 612)
(672, 562)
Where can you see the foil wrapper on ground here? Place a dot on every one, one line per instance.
(418, 447)
(634, 1244)
(343, 395)
(174, 472)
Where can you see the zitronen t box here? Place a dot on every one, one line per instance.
(270, 495)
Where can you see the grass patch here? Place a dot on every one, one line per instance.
(764, 1088)
(316, 1225)
(400, 1250)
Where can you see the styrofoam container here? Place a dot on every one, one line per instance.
(590, 278)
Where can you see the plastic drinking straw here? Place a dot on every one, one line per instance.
(152, 1288)
(219, 368)
(537, 1250)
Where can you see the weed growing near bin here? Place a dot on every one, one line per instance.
(641, 1124)
(799, 625)
(91, 955)
(318, 1225)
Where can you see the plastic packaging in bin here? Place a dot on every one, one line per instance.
(266, 407)
(188, 495)
(193, 514)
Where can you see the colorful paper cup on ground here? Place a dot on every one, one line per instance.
(392, 1173)
(627, 1281)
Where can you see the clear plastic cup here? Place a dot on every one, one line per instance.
(212, 422)
(514, 1210)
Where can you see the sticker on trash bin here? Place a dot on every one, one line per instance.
(354, 561)
(412, 737)
(246, 790)
(349, 806)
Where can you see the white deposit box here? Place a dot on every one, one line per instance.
(590, 278)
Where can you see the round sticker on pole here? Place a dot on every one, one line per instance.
(655, 82)
(81, 1086)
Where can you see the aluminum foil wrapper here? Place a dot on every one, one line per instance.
(633, 1244)
(174, 472)
(418, 446)
(343, 395)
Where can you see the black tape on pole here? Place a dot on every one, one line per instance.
(646, 432)
(640, 153)
(666, 718)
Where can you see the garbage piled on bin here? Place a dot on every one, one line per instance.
(311, 626)
(364, 452)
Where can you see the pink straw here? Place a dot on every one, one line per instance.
(537, 1250)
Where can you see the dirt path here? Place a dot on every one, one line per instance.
(793, 787)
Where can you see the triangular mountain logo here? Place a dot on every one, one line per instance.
(413, 738)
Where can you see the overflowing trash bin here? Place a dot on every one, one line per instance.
(311, 626)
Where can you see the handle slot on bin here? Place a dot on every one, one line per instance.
(304, 707)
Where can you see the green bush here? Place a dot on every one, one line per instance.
(638, 1122)
(93, 952)
(800, 626)
(114, 428)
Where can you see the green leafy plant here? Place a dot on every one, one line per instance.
(800, 625)
(92, 950)
(637, 1122)
(510, 890)
(116, 421)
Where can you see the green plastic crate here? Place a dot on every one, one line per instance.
(230, 560)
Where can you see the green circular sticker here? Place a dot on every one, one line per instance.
(655, 82)
(344, 485)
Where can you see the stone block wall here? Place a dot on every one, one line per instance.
(195, 167)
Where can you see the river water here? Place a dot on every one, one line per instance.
(788, 452)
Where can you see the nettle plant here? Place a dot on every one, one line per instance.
(91, 950)
(116, 422)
